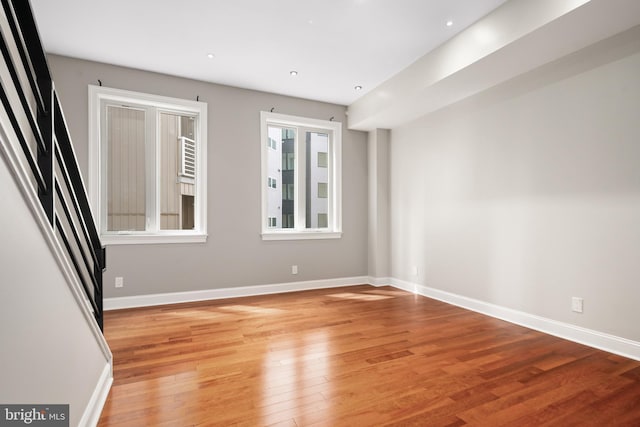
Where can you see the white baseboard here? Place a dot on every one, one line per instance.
(244, 291)
(589, 337)
(93, 410)
(379, 281)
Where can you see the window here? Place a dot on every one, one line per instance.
(272, 144)
(307, 161)
(272, 222)
(287, 221)
(322, 190)
(288, 161)
(272, 183)
(288, 192)
(322, 220)
(147, 167)
(322, 159)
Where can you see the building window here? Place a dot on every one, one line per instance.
(322, 190)
(322, 160)
(287, 221)
(307, 161)
(272, 222)
(272, 144)
(288, 191)
(288, 161)
(271, 183)
(147, 167)
(322, 220)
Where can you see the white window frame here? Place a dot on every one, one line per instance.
(98, 94)
(334, 229)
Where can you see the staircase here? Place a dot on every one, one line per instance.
(40, 152)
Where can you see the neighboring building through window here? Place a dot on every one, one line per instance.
(322, 190)
(147, 167)
(322, 159)
(322, 220)
(307, 162)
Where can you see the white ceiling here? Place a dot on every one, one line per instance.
(334, 45)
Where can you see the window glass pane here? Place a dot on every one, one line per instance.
(287, 161)
(280, 169)
(322, 190)
(126, 172)
(316, 196)
(287, 221)
(322, 220)
(322, 159)
(188, 127)
(287, 192)
(177, 171)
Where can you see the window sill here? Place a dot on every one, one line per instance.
(151, 239)
(301, 235)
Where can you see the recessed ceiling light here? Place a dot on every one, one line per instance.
(210, 55)
(449, 23)
(293, 73)
(358, 87)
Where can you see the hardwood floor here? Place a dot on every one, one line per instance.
(356, 356)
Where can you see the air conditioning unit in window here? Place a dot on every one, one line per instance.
(187, 157)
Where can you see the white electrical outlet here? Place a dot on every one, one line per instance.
(577, 304)
(294, 269)
(119, 282)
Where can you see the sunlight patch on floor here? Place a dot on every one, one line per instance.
(250, 309)
(389, 293)
(361, 297)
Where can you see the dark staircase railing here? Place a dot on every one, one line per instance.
(33, 109)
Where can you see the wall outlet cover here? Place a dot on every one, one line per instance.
(577, 304)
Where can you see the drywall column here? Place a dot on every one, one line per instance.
(378, 159)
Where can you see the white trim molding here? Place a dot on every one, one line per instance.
(379, 281)
(235, 292)
(93, 410)
(600, 340)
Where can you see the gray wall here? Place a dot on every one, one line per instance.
(48, 352)
(529, 194)
(234, 254)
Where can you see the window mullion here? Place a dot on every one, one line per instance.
(330, 182)
(299, 181)
(103, 169)
(153, 168)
